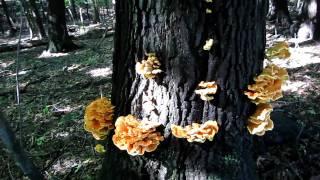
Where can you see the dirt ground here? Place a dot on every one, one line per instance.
(55, 91)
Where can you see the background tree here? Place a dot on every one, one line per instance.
(59, 39)
(279, 10)
(309, 20)
(37, 16)
(9, 20)
(176, 31)
(96, 14)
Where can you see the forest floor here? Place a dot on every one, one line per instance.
(54, 93)
(56, 89)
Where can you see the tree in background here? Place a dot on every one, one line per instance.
(59, 39)
(278, 10)
(309, 20)
(37, 16)
(176, 32)
(96, 14)
(12, 27)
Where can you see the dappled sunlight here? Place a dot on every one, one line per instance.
(72, 67)
(300, 57)
(6, 64)
(47, 54)
(297, 87)
(20, 73)
(100, 72)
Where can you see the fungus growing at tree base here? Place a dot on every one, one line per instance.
(98, 118)
(136, 137)
(278, 50)
(196, 132)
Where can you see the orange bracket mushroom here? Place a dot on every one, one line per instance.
(149, 68)
(260, 121)
(98, 118)
(267, 85)
(206, 90)
(196, 132)
(136, 137)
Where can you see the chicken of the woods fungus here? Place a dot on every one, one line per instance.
(267, 85)
(260, 121)
(98, 118)
(208, 45)
(196, 132)
(149, 68)
(136, 137)
(278, 50)
(206, 90)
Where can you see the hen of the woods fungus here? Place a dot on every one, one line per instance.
(196, 132)
(260, 121)
(278, 50)
(137, 137)
(149, 68)
(206, 90)
(98, 118)
(267, 85)
(208, 45)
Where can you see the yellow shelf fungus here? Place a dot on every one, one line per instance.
(278, 50)
(206, 90)
(98, 118)
(208, 45)
(260, 121)
(149, 68)
(136, 137)
(267, 85)
(208, 11)
(196, 132)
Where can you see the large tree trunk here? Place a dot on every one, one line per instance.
(309, 20)
(13, 29)
(176, 31)
(59, 39)
(38, 18)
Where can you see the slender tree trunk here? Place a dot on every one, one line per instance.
(38, 18)
(74, 9)
(59, 39)
(176, 31)
(34, 29)
(20, 157)
(13, 29)
(279, 10)
(96, 14)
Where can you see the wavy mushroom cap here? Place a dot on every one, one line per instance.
(136, 137)
(267, 85)
(98, 118)
(206, 90)
(278, 50)
(149, 68)
(196, 132)
(260, 121)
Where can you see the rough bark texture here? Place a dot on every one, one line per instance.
(59, 39)
(176, 31)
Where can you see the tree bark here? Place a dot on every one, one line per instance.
(96, 14)
(176, 31)
(38, 18)
(278, 10)
(13, 29)
(59, 40)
